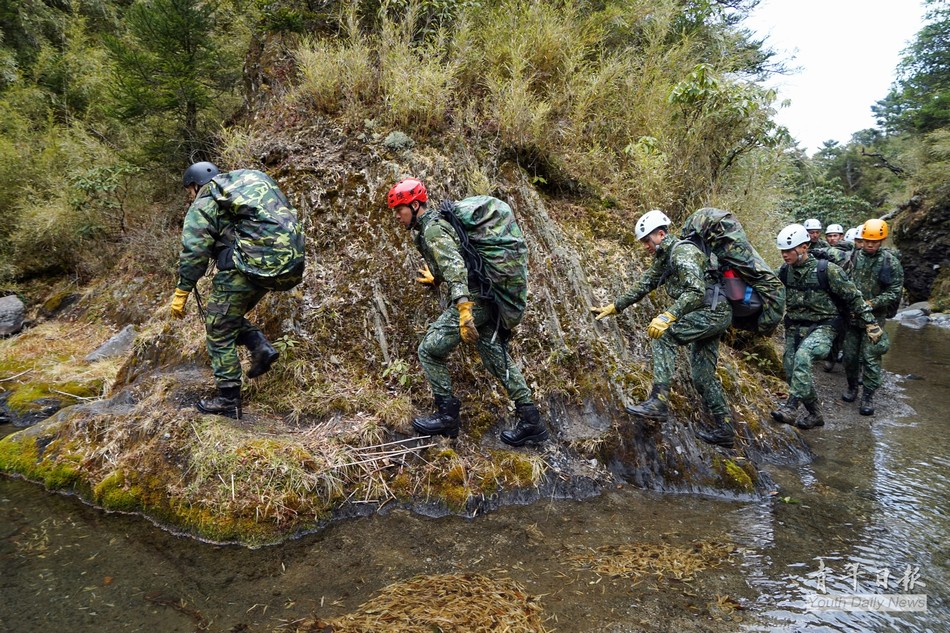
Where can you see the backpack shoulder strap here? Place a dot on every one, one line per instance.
(783, 274)
(886, 274)
(823, 275)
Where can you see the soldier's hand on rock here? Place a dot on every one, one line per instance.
(178, 303)
(603, 312)
(659, 324)
(874, 332)
(425, 276)
(467, 322)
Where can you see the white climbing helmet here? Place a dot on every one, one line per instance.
(791, 236)
(834, 228)
(850, 235)
(811, 224)
(651, 221)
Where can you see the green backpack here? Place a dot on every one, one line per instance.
(754, 290)
(495, 254)
(267, 241)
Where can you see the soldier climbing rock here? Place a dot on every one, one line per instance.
(696, 318)
(243, 222)
(473, 317)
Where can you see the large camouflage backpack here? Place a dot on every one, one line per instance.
(495, 253)
(754, 290)
(267, 243)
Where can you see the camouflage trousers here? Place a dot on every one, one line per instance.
(443, 336)
(861, 358)
(232, 296)
(701, 330)
(804, 344)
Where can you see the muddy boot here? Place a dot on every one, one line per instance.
(788, 412)
(530, 428)
(655, 407)
(263, 354)
(445, 421)
(851, 394)
(813, 418)
(867, 404)
(723, 435)
(227, 403)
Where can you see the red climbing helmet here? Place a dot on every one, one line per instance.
(406, 191)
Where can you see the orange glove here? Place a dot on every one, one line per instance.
(425, 276)
(659, 324)
(603, 312)
(467, 322)
(178, 303)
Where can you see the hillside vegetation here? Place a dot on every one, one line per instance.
(581, 115)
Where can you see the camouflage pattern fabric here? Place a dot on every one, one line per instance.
(439, 245)
(492, 230)
(697, 324)
(247, 210)
(804, 344)
(442, 337)
(820, 243)
(701, 330)
(832, 254)
(232, 296)
(861, 357)
(806, 302)
(727, 241)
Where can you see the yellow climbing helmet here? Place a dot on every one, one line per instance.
(874, 230)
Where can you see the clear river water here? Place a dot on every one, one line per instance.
(870, 515)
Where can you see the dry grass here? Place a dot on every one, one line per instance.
(662, 560)
(451, 603)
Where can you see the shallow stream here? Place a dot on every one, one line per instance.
(868, 516)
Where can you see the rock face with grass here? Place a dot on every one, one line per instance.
(326, 433)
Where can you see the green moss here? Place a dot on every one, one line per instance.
(20, 455)
(733, 476)
(23, 398)
(115, 493)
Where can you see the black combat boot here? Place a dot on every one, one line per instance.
(445, 421)
(813, 418)
(867, 402)
(723, 435)
(851, 394)
(227, 403)
(656, 407)
(263, 354)
(788, 412)
(530, 428)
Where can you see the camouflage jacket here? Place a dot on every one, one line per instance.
(867, 276)
(819, 243)
(807, 302)
(682, 267)
(439, 245)
(244, 211)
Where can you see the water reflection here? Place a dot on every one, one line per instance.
(874, 499)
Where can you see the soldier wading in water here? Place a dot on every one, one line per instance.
(814, 291)
(696, 318)
(469, 318)
(242, 221)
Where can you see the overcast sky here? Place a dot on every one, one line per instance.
(847, 51)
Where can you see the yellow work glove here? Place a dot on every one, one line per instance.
(603, 312)
(425, 276)
(178, 303)
(874, 332)
(467, 322)
(659, 324)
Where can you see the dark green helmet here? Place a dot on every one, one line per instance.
(200, 174)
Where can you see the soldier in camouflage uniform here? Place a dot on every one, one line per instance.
(813, 226)
(469, 319)
(691, 320)
(243, 222)
(880, 277)
(812, 320)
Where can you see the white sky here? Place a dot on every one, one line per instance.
(847, 51)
